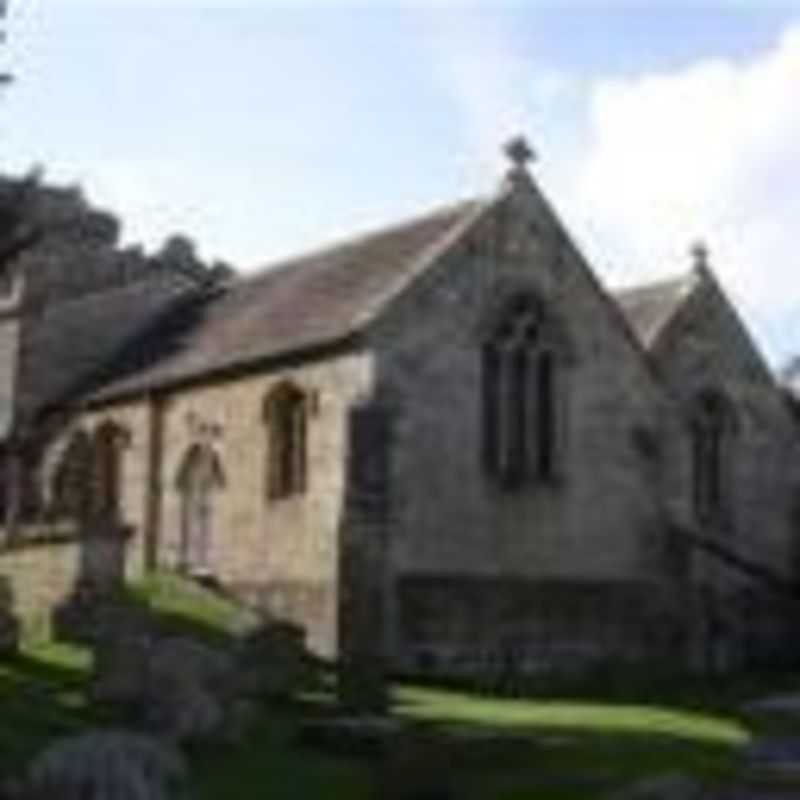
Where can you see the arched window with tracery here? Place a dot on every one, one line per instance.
(73, 478)
(200, 479)
(520, 378)
(712, 427)
(286, 416)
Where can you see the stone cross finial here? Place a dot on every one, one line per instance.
(699, 252)
(519, 153)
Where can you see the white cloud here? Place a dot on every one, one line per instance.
(500, 91)
(711, 151)
(656, 161)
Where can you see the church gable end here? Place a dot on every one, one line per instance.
(706, 334)
(517, 391)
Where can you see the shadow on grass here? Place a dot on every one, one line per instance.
(162, 605)
(42, 697)
(495, 749)
(43, 687)
(660, 690)
(606, 741)
(269, 763)
(609, 731)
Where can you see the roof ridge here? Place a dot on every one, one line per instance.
(306, 301)
(355, 240)
(687, 277)
(435, 250)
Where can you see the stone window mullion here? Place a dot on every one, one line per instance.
(490, 422)
(505, 416)
(546, 422)
(517, 413)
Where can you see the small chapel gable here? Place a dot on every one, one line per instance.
(741, 435)
(707, 331)
(705, 345)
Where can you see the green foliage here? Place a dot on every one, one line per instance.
(612, 718)
(187, 607)
(577, 748)
(41, 697)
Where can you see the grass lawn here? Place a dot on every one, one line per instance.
(563, 748)
(41, 697)
(575, 743)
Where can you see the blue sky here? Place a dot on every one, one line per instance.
(261, 128)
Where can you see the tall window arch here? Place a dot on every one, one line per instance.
(520, 395)
(71, 488)
(286, 415)
(108, 439)
(712, 426)
(200, 479)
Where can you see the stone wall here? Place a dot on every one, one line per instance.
(40, 573)
(279, 554)
(604, 519)
(466, 625)
(135, 420)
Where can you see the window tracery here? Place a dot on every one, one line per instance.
(520, 403)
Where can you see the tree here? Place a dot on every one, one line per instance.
(5, 77)
(18, 228)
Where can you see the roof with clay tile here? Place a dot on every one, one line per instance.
(293, 306)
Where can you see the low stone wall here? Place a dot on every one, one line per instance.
(35, 578)
(307, 604)
(467, 625)
(40, 570)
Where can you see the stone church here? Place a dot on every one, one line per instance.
(445, 444)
